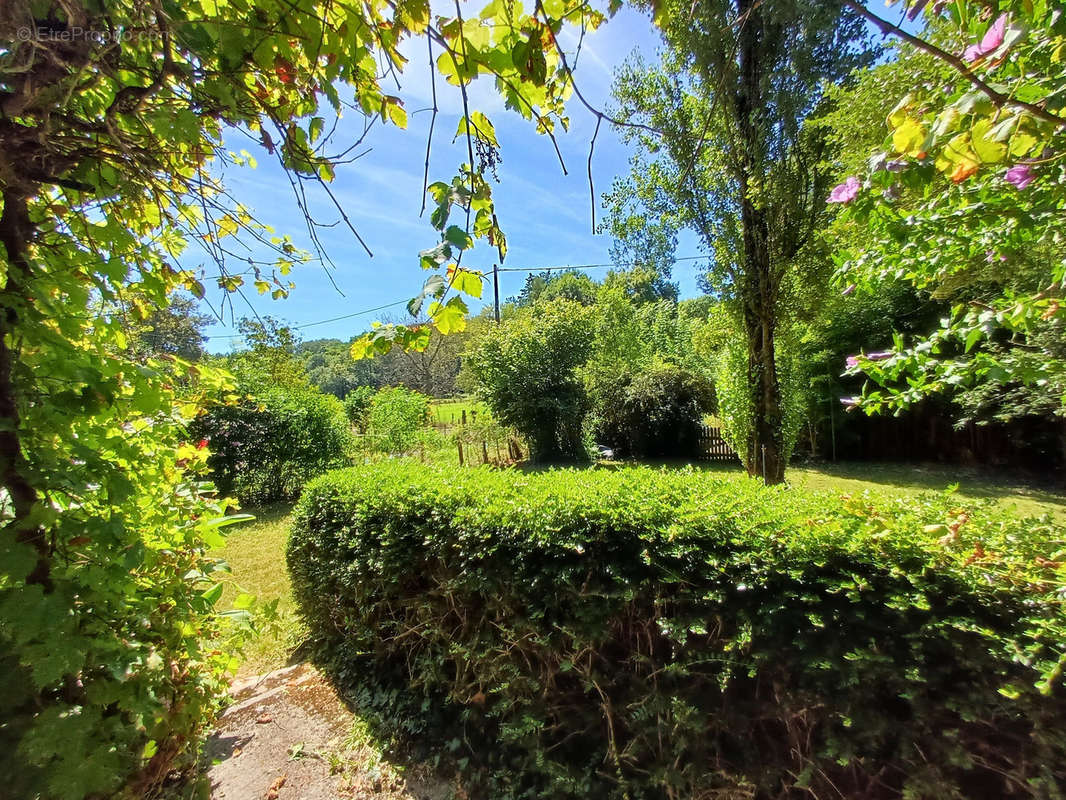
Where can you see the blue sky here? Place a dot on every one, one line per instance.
(546, 214)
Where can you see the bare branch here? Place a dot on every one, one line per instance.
(432, 122)
(592, 189)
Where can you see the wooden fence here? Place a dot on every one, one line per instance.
(713, 447)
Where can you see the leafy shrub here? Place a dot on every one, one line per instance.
(649, 634)
(106, 678)
(526, 370)
(357, 406)
(264, 449)
(736, 403)
(654, 413)
(394, 418)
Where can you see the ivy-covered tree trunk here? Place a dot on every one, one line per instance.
(766, 452)
(726, 152)
(15, 232)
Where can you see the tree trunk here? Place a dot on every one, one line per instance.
(16, 231)
(765, 455)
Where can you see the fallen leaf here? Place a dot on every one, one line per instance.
(272, 792)
(263, 719)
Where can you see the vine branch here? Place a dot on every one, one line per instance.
(997, 97)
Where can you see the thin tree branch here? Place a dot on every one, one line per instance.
(1000, 99)
(432, 122)
(577, 90)
(592, 189)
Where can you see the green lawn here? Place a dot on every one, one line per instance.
(1005, 490)
(450, 412)
(256, 550)
(256, 554)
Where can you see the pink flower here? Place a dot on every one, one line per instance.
(1021, 175)
(993, 38)
(849, 402)
(880, 355)
(845, 192)
(848, 291)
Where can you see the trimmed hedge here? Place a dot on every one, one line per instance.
(644, 634)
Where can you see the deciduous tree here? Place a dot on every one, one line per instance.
(733, 160)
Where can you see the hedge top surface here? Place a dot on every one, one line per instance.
(571, 508)
(669, 525)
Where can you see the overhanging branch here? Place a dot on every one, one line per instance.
(1000, 99)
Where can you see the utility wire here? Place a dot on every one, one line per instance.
(323, 321)
(585, 266)
(404, 302)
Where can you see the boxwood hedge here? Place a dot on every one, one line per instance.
(655, 634)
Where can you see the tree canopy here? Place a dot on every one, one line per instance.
(963, 197)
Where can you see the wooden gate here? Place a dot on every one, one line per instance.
(713, 447)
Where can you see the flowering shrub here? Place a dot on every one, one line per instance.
(968, 190)
(637, 633)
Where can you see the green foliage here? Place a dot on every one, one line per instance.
(725, 151)
(654, 413)
(270, 357)
(107, 591)
(735, 408)
(177, 329)
(114, 130)
(357, 406)
(394, 418)
(840, 327)
(671, 634)
(548, 285)
(265, 448)
(641, 247)
(527, 372)
(963, 197)
(329, 366)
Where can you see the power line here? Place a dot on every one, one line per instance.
(500, 269)
(323, 321)
(587, 266)
(354, 314)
